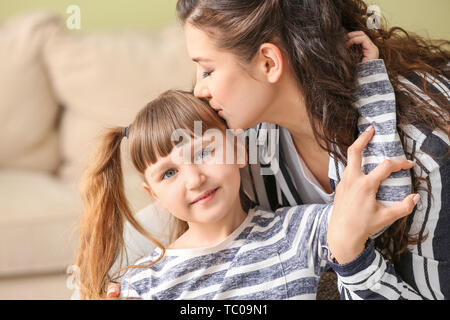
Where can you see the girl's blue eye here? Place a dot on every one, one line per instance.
(168, 174)
(204, 153)
(206, 74)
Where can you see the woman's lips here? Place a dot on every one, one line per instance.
(218, 109)
(205, 197)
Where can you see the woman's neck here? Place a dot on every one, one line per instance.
(290, 113)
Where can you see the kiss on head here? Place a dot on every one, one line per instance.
(331, 109)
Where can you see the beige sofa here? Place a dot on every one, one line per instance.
(58, 90)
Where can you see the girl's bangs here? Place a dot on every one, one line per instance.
(156, 130)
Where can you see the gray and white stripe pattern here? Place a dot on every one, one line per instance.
(423, 268)
(270, 256)
(376, 106)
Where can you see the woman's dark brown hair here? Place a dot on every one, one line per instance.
(311, 34)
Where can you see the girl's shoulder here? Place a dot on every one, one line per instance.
(151, 257)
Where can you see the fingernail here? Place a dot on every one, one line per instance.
(411, 162)
(369, 128)
(416, 198)
(111, 292)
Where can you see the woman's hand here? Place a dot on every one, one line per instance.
(356, 214)
(369, 49)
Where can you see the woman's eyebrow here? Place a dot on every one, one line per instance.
(201, 59)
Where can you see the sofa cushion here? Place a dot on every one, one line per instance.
(38, 224)
(80, 148)
(28, 108)
(103, 80)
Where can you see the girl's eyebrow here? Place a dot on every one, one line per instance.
(158, 167)
(203, 142)
(164, 163)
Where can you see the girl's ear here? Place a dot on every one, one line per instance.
(270, 61)
(149, 190)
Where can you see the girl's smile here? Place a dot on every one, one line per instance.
(205, 197)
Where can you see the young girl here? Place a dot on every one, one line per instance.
(224, 249)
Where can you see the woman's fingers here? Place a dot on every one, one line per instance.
(361, 40)
(399, 210)
(354, 152)
(370, 50)
(354, 34)
(384, 169)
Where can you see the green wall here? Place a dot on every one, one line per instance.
(428, 18)
(102, 14)
(425, 17)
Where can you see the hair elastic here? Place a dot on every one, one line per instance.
(126, 131)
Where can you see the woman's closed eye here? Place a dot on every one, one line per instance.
(206, 74)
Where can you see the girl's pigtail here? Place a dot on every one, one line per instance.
(105, 209)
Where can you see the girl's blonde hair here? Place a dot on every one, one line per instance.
(105, 206)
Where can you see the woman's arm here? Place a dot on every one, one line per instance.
(363, 273)
(355, 215)
(426, 265)
(376, 106)
(352, 224)
(371, 277)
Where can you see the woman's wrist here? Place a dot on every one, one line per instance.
(346, 250)
(362, 262)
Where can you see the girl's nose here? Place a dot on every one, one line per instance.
(193, 176)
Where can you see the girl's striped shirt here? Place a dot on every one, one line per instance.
(269, 256)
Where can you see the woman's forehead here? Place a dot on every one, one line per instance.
(202, 48)
(197, 41)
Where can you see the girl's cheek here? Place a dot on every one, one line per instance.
(167, 194)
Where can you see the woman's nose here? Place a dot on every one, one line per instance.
(201, 90)
(194, 178)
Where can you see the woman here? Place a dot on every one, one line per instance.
(286, 64)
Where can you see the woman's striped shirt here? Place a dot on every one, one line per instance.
(423, 271)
